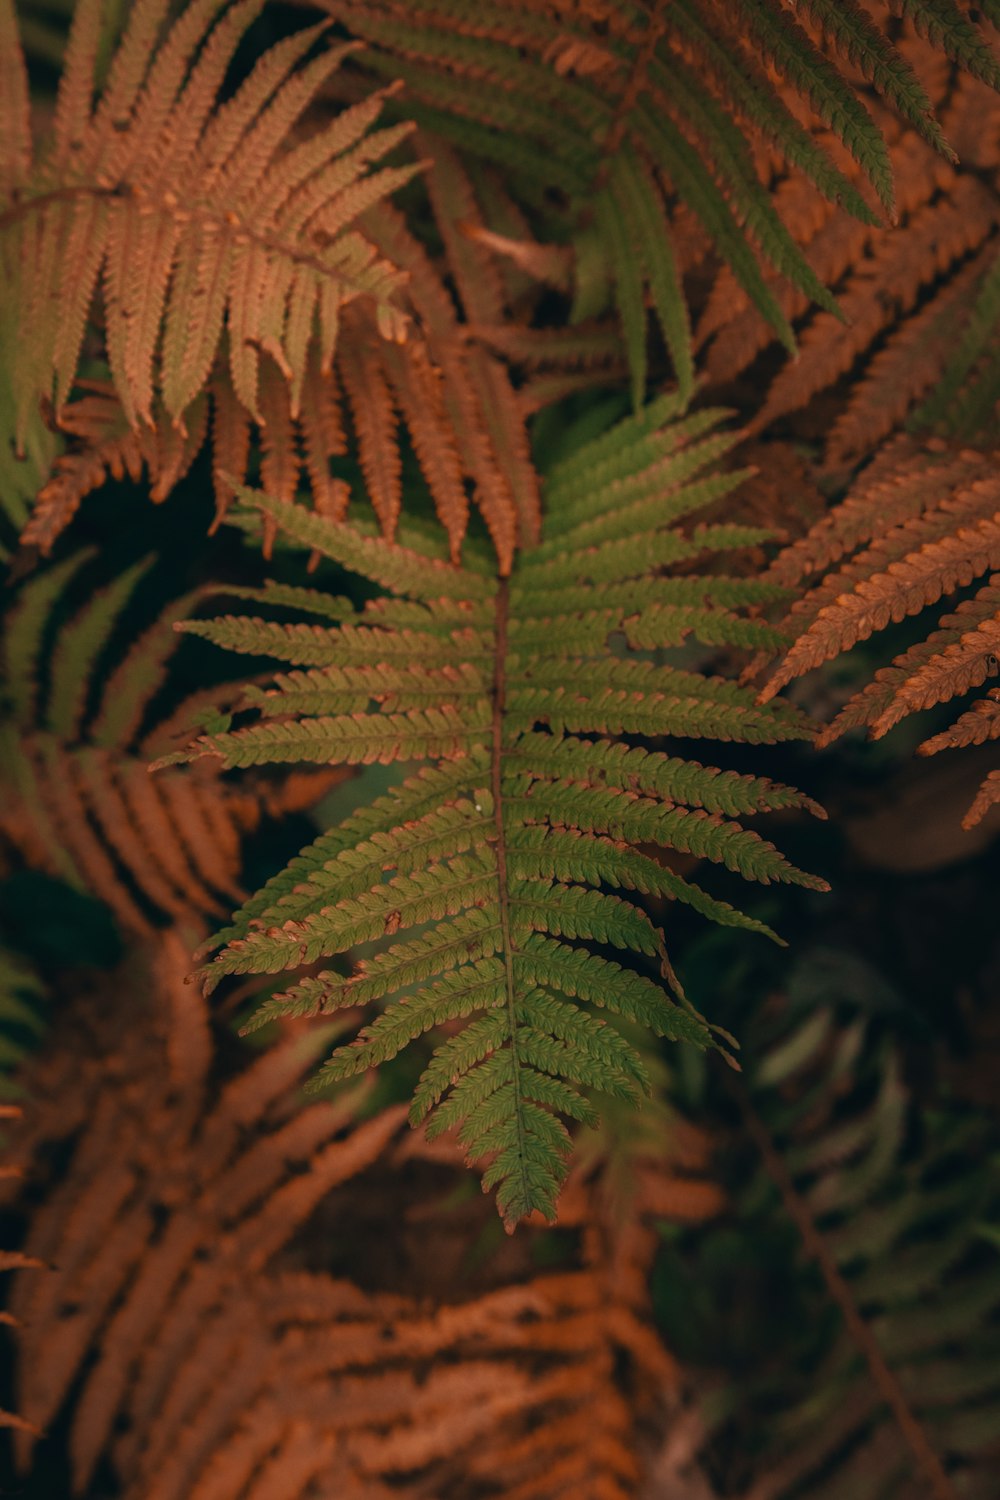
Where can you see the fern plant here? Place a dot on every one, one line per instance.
(899, 1392)
(488, 867)
(188, 246)
(266, 231)
(626, 110)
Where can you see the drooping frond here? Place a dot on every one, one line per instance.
(896, 1384)
(922, 526)
(79, 802)
(226, 1369)
(472, 883)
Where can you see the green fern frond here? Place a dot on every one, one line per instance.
(490, 885)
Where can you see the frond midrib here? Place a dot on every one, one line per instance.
(499, 694)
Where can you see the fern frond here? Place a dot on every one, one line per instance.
(936, 237)
(788, 47)
(506, 845)
(857, 38)
(102, 445)
(904, 292)
(986, 798)
(536, 1386)
(925, 524)
(79, 801)
(205, 233)
(15, 123)
(238, 1154)
(903, 1384)
(914, 361)
(621, 97)
(945, 25)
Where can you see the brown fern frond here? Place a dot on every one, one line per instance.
(904, 370)
(905, 479)
(975, 727)
(908, 566)
(102, 445)
(960, 655)
(905, 291)
(80, 802)
(375, 423)
(181, 260)
(481, 408)
(209, 1365)
(925, 525)
(481, 293)
(183, 233)
(885, 286)
(220, 1180)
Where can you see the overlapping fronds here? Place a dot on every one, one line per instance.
(174, 1206)
(21, 475)
(225, 1371)
(75, 742)
(626, 109)
(922, 523)
(904, 292)
(477, 877)
(902, 1394)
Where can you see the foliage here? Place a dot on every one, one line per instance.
(520, 277)
(628, 109)
(897, 1389)
(174, 1224)
(530, 802)
(239, 293)
(79, 803)
(923, 522)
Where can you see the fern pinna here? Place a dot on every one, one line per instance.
(479, 876)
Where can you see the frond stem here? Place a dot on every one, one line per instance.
(22, 206)
(655, 26)
(496, 788)
(167, 203)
